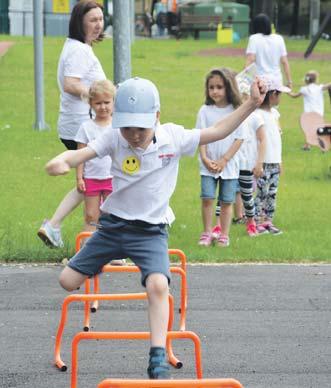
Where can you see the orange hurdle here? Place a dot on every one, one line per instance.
(131, 336)
(90, 297)
(202, 383)
(181, 270)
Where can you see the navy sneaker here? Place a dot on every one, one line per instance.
(158, 368)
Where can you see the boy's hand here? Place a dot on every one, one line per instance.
(258, 91)
(57, 166)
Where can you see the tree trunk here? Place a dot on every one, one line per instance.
(295, 18)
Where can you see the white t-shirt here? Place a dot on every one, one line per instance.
(77, 60)
(144, 180)
(313, 100)
(268, 49)
(248, 150)
(273, 136)
(96, 168)
(208, 115)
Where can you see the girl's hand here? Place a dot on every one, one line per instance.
(221, 164)
(258, 170)
(57, 166)
(81, 188)
(258, 91)
(210, 165)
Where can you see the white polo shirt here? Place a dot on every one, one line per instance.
(144, 180)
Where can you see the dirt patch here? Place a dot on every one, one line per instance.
(4, 47)
(240, 52)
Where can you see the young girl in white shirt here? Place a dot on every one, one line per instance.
(219, 164)
(251, 157)
(94, 179)
(267, 184)
(312, 93)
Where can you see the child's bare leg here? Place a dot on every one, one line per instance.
(92, 212)
(226, 214)
(71, 280)
(67, 205)
(207, 212)
(158, 314)
(238, 207)
(158, 308)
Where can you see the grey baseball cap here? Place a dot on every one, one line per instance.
(137, 102)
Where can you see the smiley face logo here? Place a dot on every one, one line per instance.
(131, 165)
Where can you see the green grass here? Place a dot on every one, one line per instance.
(28, 195)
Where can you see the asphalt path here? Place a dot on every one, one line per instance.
(268, 326)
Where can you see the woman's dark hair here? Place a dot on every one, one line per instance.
(231, 87)
(261, 24)
(76, 28)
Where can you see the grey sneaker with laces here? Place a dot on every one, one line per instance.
(50, 236)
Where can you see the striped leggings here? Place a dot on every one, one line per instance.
(246, 183)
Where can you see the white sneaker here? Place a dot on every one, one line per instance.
(50, 236)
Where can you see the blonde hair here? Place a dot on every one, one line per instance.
(231, 87)
(101, 87)
(311, 76)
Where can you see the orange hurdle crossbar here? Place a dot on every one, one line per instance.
(202, 383)
(130, 336)
(115, 297)
(132, 268)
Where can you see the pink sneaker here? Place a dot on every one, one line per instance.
(260, 228)
(206, 239)
(223, 241)
(251, 230)
(216, 232)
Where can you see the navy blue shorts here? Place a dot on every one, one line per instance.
(145, 244)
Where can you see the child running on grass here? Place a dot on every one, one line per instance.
(312, 93)
(219, 164)
(145, 157)
(267, 183)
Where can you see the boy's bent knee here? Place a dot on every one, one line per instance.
(71, 280)
(157, 283)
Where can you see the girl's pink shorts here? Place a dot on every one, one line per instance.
(96, 187)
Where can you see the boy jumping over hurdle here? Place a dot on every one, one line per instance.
(134, 218)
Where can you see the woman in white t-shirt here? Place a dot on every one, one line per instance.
(267, 50)
(78, 67)
(312, 93)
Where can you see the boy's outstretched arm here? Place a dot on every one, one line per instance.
(62, 163)
(223, 128)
